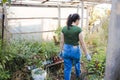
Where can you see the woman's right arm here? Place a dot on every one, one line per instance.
(83, 45)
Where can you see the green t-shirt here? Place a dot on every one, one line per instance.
(71, 36)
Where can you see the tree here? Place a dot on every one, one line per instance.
(112, 71)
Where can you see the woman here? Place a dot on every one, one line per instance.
(71, 36)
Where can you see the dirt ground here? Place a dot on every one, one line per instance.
(57, 73)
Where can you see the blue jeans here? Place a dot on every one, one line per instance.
(71, 55)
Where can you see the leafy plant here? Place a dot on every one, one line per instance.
(18, 54)
(97, 43)
(4, 1)
(29, 51)
(4, 75)
(58, 32)
(50, 49)
(97, 64)
(5, 56)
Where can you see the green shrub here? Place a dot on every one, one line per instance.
(97, 42)
(5, 56)
(58, 32)
(50, 49)
(18, 54)
(4, 75)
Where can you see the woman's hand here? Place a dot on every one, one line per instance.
(61, 54)
(88, 56)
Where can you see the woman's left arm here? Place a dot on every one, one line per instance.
(61, 42)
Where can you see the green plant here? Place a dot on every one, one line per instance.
(96, 67)
(4, 1)
(18, 54)
(4, 75)
(15, 55)
(0, 35)
(5, 56)
(58, 32)
(50, 49)
(29, 51)
(97, 64)
(97, 43)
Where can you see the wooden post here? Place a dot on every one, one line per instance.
(78, 7)
(82, 13)
(6, 32)
(3, 25)
(87, 18)
(3, 18)
(3, 22)
(59, 16)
